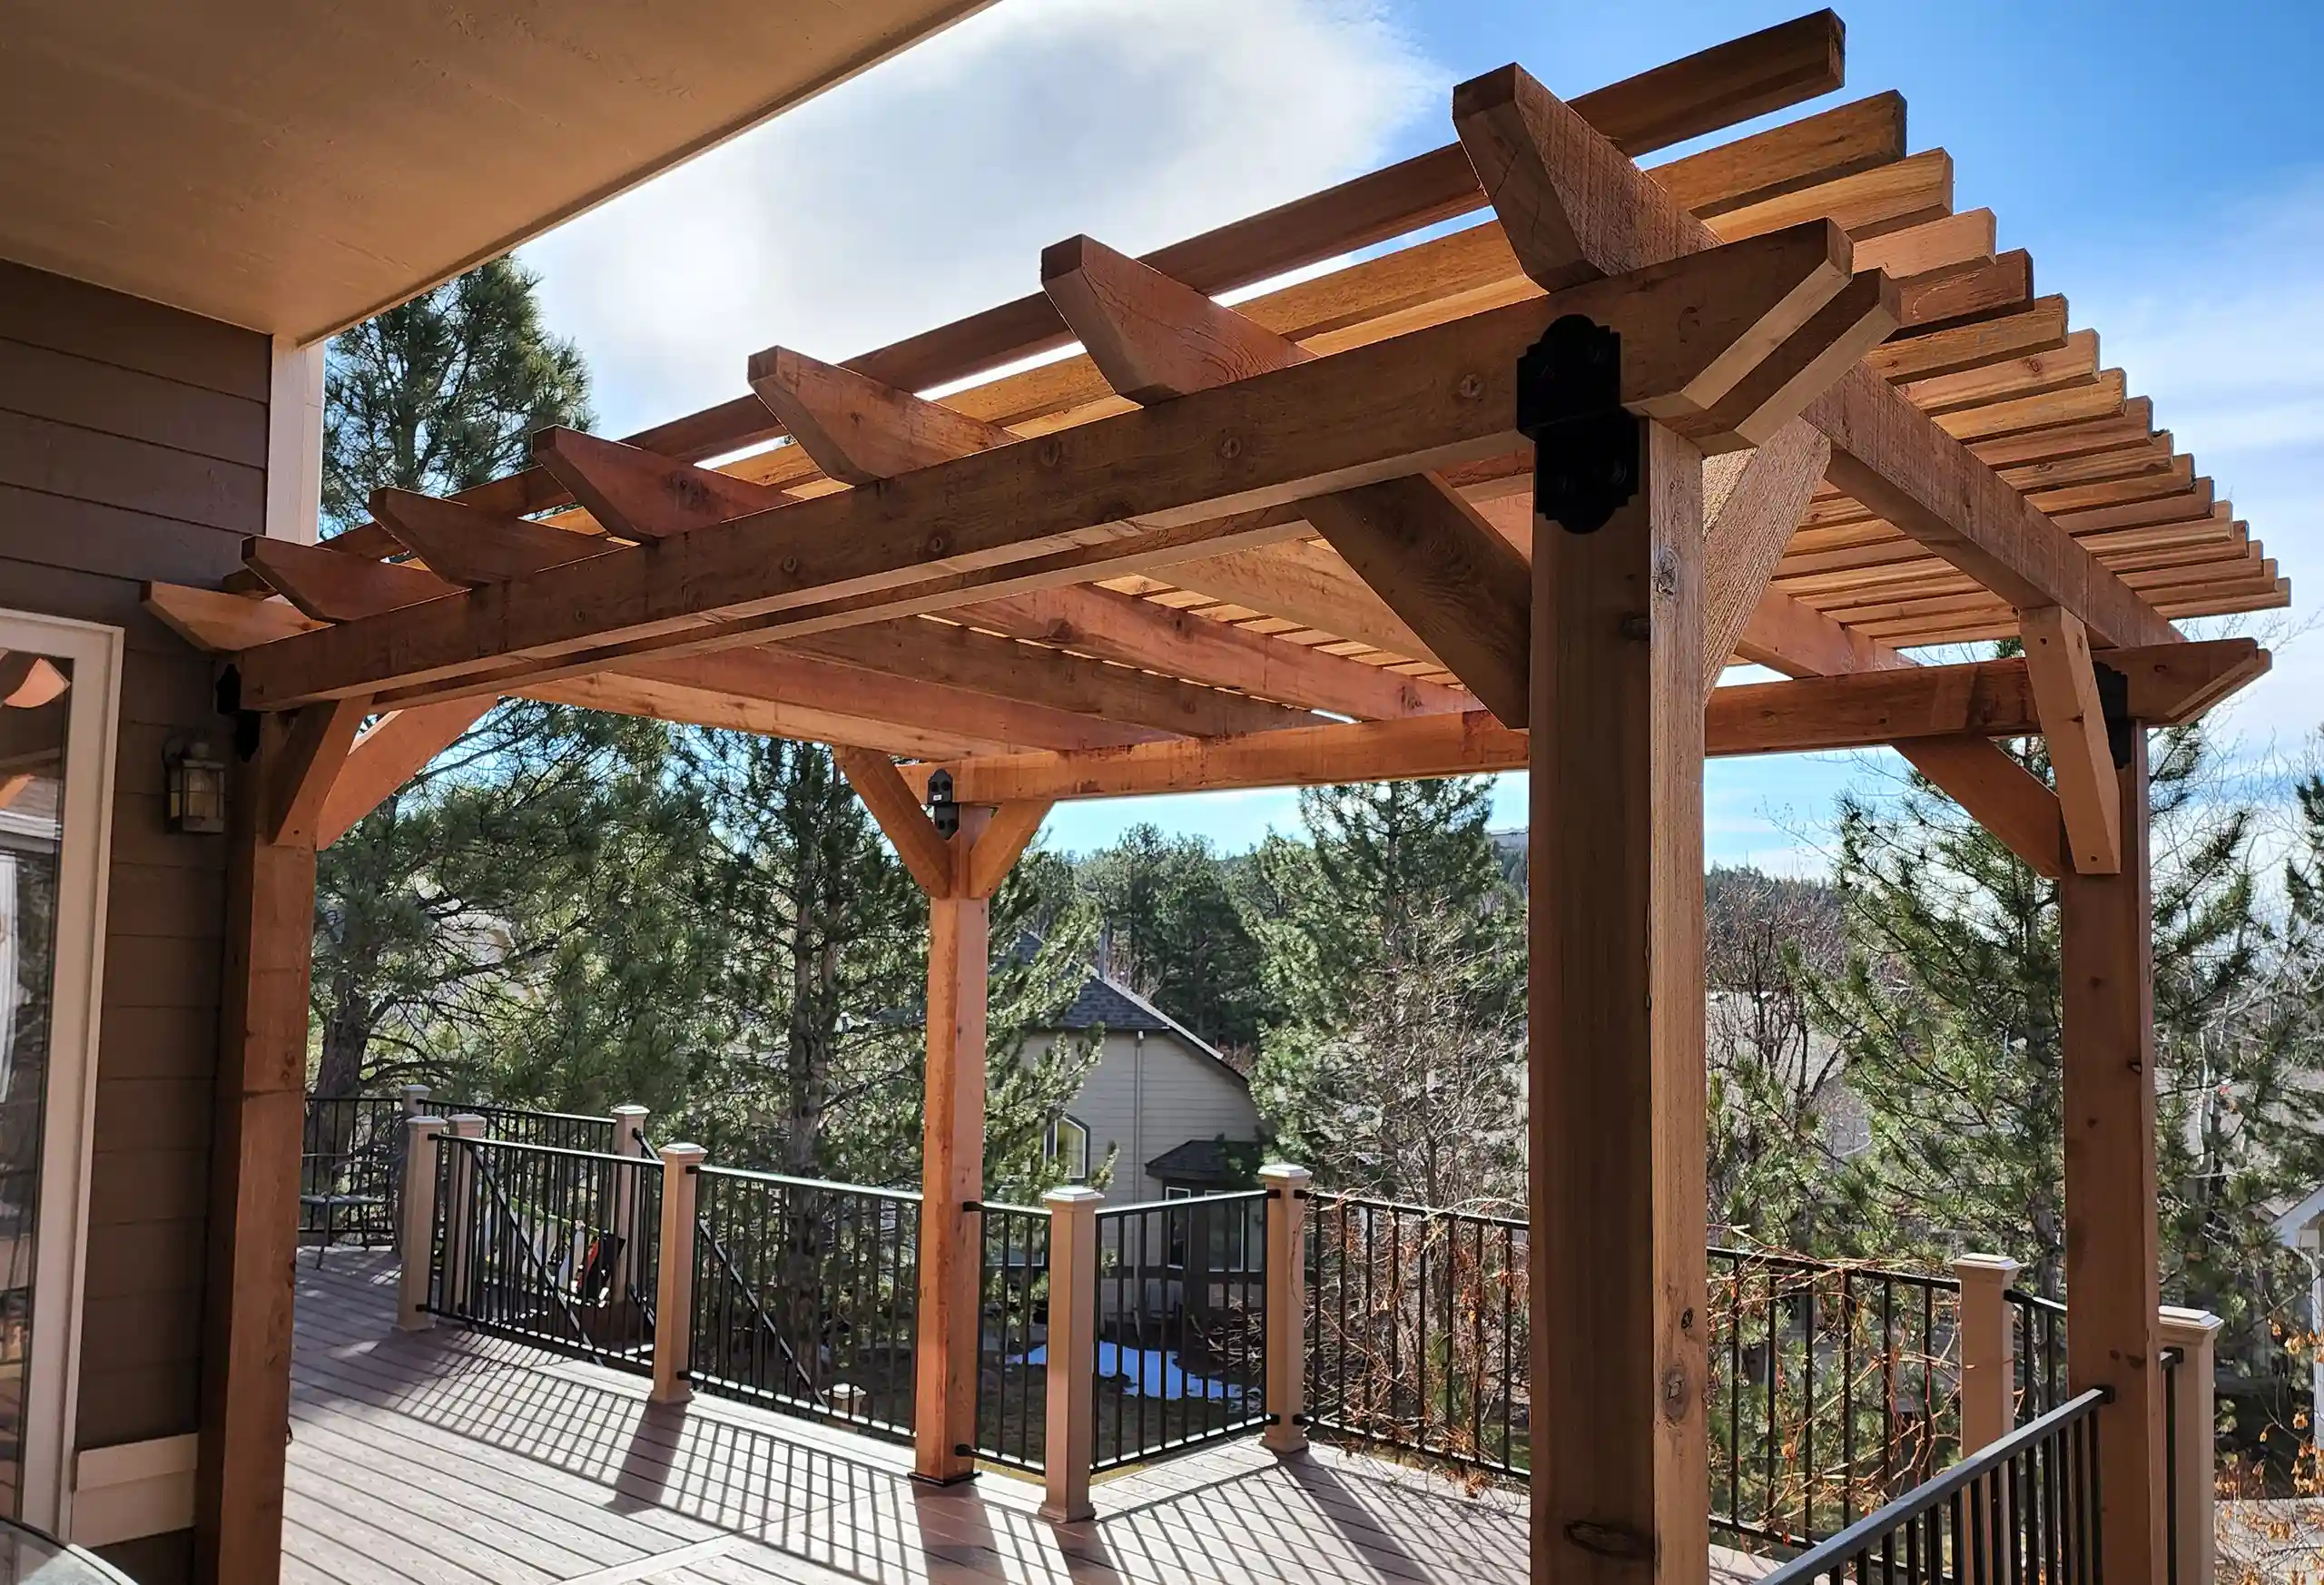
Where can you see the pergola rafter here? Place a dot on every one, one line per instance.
(1296, 540)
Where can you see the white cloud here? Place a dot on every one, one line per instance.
(2224, 331)
(926, 189)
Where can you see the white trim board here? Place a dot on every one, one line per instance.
(133, 1489)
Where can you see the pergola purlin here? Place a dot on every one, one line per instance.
(1337, 473)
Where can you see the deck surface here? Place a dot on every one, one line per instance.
(443, 1458)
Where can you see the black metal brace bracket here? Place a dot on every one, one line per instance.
(2114, 700)
(943, 811)
(247, 723)
(1587, 460)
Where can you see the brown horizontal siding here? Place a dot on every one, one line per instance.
(45, 533)
(137, 1403)
(166, 899)
(130, 1332)
(140, 837)
(60, 459)
(174, 971)
(132, 444)
(134, 405)
(156, 1042)
(88, 321)
(147, 1257)
(146, 1186)
(153, 1113)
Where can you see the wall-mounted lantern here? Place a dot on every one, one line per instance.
(196, 780)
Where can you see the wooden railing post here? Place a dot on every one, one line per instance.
(673, 1297)
(629, 1128)
(417, 1231)
(1286, 1312)
(1988, 1350)
(460, 1214)
(1072, 1435)
(2193, 1450)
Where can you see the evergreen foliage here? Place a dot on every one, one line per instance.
(1395, 949)
(1170, 929)
(442, 393)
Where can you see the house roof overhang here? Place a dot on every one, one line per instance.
(293, 169)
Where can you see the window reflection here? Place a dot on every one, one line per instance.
(34, 700)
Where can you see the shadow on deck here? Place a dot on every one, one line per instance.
(445, 1457)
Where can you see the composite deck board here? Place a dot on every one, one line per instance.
(454, 1459)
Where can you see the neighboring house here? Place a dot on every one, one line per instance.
(1174, 1115)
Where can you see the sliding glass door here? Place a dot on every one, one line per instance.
(57, 684)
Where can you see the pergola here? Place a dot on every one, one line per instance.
(1508, 497)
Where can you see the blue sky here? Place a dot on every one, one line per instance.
(2160, 162)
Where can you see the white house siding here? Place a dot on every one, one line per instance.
(1150, 1093)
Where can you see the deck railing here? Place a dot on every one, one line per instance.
(1834, 1390)
(2024, 1507)
(2038, 1345)
(1417, 1332)
(804, 1296)
(1012, 1331)
(350, 1159)
(1181, 1324)
(524, 1125)
(558, 1248)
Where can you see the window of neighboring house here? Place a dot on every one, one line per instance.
(1067, 1141)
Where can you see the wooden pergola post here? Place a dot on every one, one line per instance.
(951, 1178)
(253, 1229)
(1616, 1113)
(960, 873)
(2113, 1336)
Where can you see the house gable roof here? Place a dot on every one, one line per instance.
(1106, 1003)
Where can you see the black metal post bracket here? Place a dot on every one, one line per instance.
(1586, 444)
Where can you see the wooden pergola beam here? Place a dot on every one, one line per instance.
(642, 494)
(1069, 502)
(1574, 207)
(1032, 673)
(1420, 547)
(2074, 724)
(1745, 533)
(1130, 631)
(389, 754)
(313, 758)
(861, 432)
(1906, 706)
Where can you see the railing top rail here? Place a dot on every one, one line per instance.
(1809, 1264)
(523, 1147)
(754, 1175)
(1134, 1207)
(485, 1108)
(1822, 1558)
(1372, 1203)
(2034, 1301)
(1006, 1210)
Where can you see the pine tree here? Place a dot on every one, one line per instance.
(1396, 947)
(435, 396)
(1169, 930)
(486, 927)
(442, 393)
(1949, 1014)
